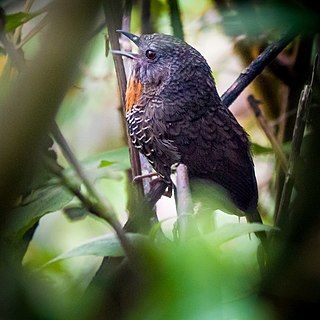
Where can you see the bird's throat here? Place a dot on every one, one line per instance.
(133, 94)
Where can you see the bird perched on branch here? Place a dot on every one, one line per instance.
(175, 115)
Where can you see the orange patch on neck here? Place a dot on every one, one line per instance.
(134, 90)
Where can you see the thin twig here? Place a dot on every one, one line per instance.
(74, 189)
(283, 117)
(254, 104)
(17, 32)
(100, 208)
(256, 67)
(300, 123)
(33, 32)
(38, 27)
(68, 154)
(15, 56)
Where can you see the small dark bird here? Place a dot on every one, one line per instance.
(175, 115)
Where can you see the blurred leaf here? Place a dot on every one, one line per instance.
(233, 230)
(286, 147)
(256, 21)
(75, 213)
(98, 166)
(258, 149)
(107, 245)
(192, 280)
(42, 201)
(156, 228)
(17, 19)
(106, 163)
(118, 157)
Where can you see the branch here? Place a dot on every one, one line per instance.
(97, 208)
(254, 104)
(256, 67)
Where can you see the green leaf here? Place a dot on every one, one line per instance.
(110, 165)
(258, 149)
(15, 20)
(119, 158)
(231, 231)
(75, 213)
(44, 200)
(107, 245)
(106, 163)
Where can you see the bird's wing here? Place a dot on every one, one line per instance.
(216, 148)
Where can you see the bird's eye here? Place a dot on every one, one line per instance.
(150, 54)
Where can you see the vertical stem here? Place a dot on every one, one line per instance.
(175, 17)
(146, 23)
(139, 213)
(282, 214)
(114, 17)
(186, 226)
(294, 91)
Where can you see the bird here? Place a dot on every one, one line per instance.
(175, 115)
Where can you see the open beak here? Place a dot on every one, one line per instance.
(135, 39)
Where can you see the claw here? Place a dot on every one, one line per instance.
(144, 176)
(168, 192)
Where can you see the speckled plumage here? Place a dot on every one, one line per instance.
(176, 115)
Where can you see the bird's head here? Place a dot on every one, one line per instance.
(160, 56)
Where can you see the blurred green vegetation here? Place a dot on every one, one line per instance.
(215, 275)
